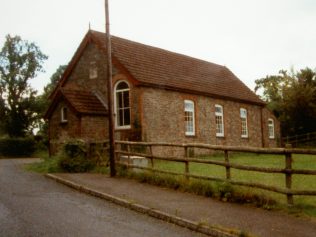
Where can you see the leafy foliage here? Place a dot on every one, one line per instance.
(54, 79)
(292, 98)
(74, 157)
(20, 61)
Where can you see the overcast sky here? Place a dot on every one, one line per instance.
(252, 38)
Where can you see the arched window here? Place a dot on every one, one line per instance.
(244, 126)
(122, 105)
(271, 128)
(219, 120)
(189, 118)
(64, 115)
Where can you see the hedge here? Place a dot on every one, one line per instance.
(17, 147)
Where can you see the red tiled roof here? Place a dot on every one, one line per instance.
(84, 102)
(153, 66)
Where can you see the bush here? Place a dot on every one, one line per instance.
(17, 147)
(74, 158)
(42, 143)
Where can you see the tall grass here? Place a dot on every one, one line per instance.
(45, 165)
(52, 164)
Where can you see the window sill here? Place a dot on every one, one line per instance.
(190, 135)
(123, 128)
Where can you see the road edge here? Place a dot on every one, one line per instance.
(211, 231)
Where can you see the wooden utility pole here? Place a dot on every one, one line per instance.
(110, 90)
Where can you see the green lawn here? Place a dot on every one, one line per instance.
(299, 182)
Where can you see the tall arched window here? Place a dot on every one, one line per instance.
(64, 115)
(271, 128)
(244, 126)
(219, 120)
(189, 118)
(122, 105)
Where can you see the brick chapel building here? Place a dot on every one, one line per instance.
(159, 96)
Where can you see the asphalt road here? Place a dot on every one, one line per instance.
(32, 205)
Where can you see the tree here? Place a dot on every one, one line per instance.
(54, 79)
(20, 61)
(307, 77)
(299, 103)
(273, 88)
(43, 99)
(2, 115)
(292, 98)
(299, 109)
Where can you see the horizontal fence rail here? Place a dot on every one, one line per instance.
(307, 139)
(288, 171)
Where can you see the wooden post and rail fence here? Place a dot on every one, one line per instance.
(301, 140)
(288, 170)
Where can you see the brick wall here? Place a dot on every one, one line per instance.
(94, 128)
(271, 142)
(88, 128)
(79, 77)
(163, 120)
(163, 115)
(59, 132)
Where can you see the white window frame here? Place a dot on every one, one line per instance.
(221, 115)
(93, 70)
(116, 107)
(62, 114)
(244, 122)
(189, 110)
(271, 131)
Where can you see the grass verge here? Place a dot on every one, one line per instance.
(221, 191)
(53, 164)
(45, 165)
(304, 206)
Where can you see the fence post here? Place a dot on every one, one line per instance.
(128, 156)
(288, 176)
(186, 153)
(151, 156)
(89, 144)
(227, 165)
